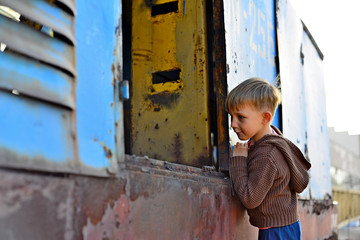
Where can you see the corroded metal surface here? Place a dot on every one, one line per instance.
(318, 219)
(36, 206)
(141, 198)
(169, 103)
(150, 200)
(169, 201)
(220, 85)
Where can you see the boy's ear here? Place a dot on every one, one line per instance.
(267, 116)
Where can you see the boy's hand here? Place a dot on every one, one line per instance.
(240, 149)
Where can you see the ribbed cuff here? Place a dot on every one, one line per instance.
(238, 162)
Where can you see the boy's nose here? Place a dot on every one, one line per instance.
(232, 124)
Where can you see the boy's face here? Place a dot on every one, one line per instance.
(247, 122)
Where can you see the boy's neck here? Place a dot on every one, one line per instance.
(267, 129)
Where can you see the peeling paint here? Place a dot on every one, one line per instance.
(107, 151)
(29, 204)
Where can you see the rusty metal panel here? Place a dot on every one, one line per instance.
(36, 80)
(99, 67)
(220, 85)
(38, 45)
(35, 135)
(35, 207)
(162, 200)
(316, 122)
(42, 12)
(169, 104)
(250, 44)
(318, 219)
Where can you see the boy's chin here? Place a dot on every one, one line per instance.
(243, 138)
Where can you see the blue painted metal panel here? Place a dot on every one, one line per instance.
(38, 45)
(97, 36)
(45, 136)
(34, 134)
(289, 32)
(303, 93)
(44, 13)
(35, 79)
(250, 43)
(317, 131)
(37, 126)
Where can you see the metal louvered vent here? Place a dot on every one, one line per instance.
(37, 75)
(42, 38)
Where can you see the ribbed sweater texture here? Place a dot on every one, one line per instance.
(268, 180)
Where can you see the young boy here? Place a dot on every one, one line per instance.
(268, 171)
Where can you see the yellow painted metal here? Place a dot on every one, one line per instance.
(170, 118)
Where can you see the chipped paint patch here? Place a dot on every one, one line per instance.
(30, 203)
(109, 227)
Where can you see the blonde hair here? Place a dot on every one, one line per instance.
(256, 92)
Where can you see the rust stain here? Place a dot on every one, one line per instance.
(108, 152)
(149, 3)
(165, 99)
(318, 207)
(94, 200)
(203, 159)
(178, 147)
(110, 226)
(220, 84)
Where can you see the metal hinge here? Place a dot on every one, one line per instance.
(124, 90)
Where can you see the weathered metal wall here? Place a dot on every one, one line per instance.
(292, 80)
(251, 45)
(60, 74)
(303, 98)
(150, 200)
(139, 198)
(99, 122)
(318, 219)
(316, 123)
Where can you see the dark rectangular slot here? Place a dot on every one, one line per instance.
(166, 76)
(164, 8)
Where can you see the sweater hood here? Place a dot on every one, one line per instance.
(296, 161)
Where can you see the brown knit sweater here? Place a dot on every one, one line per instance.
(268, 180)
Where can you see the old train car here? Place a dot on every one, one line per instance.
(112, 120)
